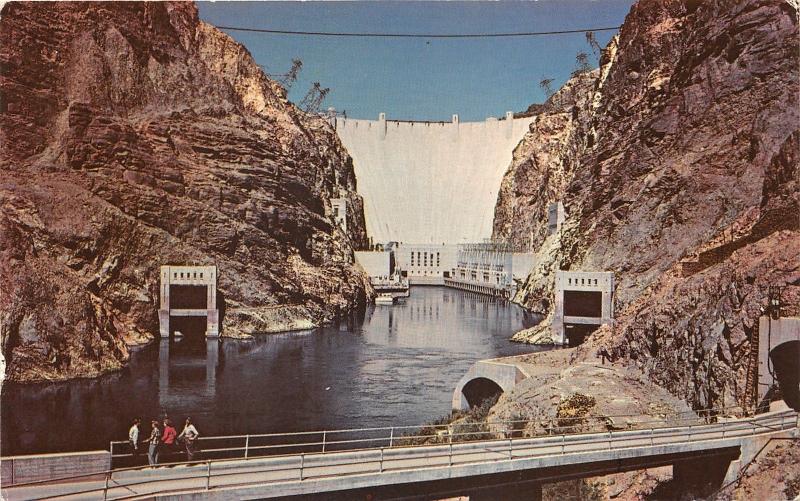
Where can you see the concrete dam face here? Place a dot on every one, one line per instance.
(430, 182)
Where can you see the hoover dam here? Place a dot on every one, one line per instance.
(430, 182)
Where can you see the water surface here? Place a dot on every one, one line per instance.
(396, 365)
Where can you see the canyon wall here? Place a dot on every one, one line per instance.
(135, 135)
(430, 182)
(677, 164)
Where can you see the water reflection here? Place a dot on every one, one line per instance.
(393, 365)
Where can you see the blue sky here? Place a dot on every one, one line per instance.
(421, 79)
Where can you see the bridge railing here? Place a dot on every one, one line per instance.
(127, 483)
(246, 446)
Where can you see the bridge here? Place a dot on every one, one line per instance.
(465, 458)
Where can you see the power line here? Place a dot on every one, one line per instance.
(414, 35)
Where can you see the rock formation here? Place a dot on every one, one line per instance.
(135, 135)
(678, 169)
(543, 163)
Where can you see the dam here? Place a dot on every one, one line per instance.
(430, 182)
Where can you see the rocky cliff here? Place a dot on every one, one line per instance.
(678, 169)
(543, 163)
(135, 135)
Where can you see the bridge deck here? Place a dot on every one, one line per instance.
(299, 474)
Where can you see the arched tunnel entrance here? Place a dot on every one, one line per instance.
(480, 389)
(785, 360)
(486, 379)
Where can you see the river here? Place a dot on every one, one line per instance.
(395, 365)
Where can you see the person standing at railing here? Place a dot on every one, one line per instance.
(169, 436)
(133, 437)
(189, 435)
(155, 443)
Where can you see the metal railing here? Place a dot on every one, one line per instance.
(205, 475)
(243, 446)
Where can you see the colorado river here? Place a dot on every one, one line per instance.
(398, 365)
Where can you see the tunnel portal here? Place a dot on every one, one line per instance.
(481, 389)
(576, 334)
(485, 379)
(188, 291)
(785, 360)
(188, 297)
(583, 303)
(778, 359)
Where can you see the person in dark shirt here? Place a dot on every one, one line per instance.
(155, 443)
(604, 355)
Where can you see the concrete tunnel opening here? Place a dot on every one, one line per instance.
(192, 328)
(583, 303)
(785, 360)
(481, 389)
(577, 333)
(188, 297)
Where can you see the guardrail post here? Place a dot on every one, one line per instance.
(563, 444)
(302, 464)
(381, 468)
(391, 436)
(105, 489)
(208, 475)
(651, 436)
(723, 429)
(609, 440)
(246, 446)
(450, 456)
(510, 449)
(324, 435)
(689, 433)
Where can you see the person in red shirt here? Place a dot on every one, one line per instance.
(169, 436)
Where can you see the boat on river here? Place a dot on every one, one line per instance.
(385, 299)
(395, 284)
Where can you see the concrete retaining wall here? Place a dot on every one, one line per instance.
(21, 469)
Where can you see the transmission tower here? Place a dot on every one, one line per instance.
(289, 78)
(314, 97)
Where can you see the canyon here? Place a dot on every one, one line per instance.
(677, 165)
(135, 135)
(676, 162)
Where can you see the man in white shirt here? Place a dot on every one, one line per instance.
(133, 437)
(189, 435)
